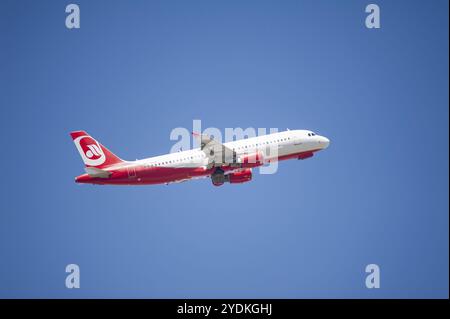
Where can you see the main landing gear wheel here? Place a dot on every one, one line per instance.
(218, 178)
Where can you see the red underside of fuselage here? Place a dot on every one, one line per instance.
(164, 175)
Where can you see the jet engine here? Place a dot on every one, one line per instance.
(240, 177)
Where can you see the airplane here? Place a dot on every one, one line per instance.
(230, 162)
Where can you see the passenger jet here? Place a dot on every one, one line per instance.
(230, 162)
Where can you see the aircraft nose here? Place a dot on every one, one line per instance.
(324, 142)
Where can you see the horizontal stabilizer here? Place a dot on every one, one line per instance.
(97, 172)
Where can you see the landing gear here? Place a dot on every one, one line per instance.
(218, 178)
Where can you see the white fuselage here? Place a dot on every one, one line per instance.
(273, 146)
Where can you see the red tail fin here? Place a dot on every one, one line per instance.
(92, 152)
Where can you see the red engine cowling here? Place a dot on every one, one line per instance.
(252, 160)
(240, 177)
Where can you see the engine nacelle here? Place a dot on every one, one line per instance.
(240, 176)
(251, 160)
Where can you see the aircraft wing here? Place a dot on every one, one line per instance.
(218, 154)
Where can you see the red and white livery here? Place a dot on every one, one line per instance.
(230, 162)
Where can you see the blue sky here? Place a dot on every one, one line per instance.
(136, 70)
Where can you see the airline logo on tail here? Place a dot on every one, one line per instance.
(90, 151)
